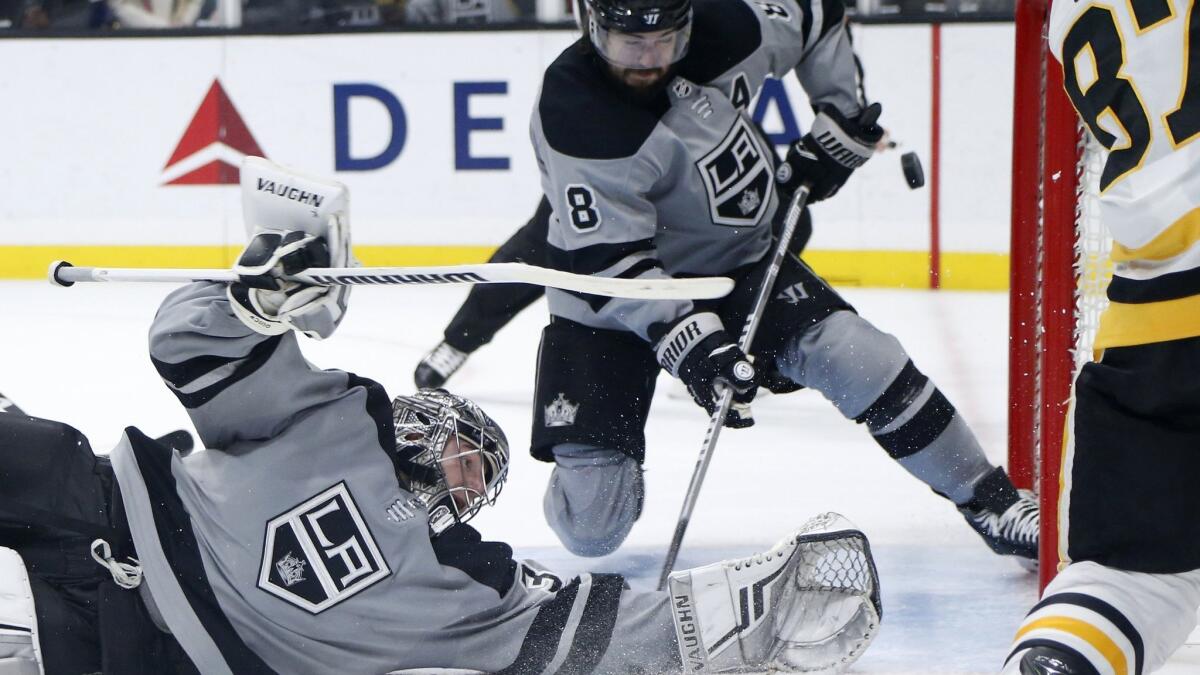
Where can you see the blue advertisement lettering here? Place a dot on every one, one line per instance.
(342, 93)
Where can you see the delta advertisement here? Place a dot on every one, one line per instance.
(134, 144)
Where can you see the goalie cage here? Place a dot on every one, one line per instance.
(1060, 267)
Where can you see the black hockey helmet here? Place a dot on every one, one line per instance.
(640, 34)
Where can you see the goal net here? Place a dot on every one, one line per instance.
(1060, 267)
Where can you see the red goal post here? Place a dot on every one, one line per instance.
(1059, 268)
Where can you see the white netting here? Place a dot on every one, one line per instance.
(1093, 251)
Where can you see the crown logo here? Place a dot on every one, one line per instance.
(291, 569)
(561, 413)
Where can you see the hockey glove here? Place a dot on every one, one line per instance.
(699, 352)
(295, 222)
(271, 305)
(827, 155)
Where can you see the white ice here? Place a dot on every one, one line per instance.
(950, 606)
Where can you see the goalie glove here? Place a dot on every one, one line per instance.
(295, 223)
(810, 604)
(827, 155)
(699, 352)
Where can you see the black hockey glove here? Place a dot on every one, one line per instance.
(699, 352)
(827, 155)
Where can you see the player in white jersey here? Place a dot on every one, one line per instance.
(654, 168)
(322, 530)
(1129, 534)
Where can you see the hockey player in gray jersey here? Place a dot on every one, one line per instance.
(653, 168)
(323, 528)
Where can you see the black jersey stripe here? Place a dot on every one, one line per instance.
(379, 409)
(904, 389)
(181, 374)
(1166, 287)
(1112, 614)
(594, 633)
(597, 257)
(723, 35)
(22, 629)
(598, 302)
(578, 80)
(832, 13)
(488, 563)
(181, 548)
(545, 633)
(806, 19)
(924, 428)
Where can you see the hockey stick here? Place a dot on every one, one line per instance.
(63, 273)
(717, 421)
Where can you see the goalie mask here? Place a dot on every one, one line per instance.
(454, 455)
(640, 34)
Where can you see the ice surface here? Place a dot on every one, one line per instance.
(950, 606)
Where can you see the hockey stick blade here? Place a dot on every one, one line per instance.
(63, 273)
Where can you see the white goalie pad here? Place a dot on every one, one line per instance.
(275, 197)
(20, 653)
(810, 604)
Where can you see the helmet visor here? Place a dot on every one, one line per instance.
(642, 50)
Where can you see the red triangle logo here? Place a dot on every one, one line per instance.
(216, 123)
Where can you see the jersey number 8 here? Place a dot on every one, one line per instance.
(581, 204)
(1115, 96)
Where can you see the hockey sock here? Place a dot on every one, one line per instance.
(914, 422)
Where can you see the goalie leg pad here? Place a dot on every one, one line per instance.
(20, 653)
(810, 604)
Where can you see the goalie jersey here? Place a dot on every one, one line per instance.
(1132, 77)
(683, 184)
(291, 545)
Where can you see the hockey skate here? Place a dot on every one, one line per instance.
(1008, 519)
(438, 365)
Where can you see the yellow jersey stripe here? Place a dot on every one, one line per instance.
(1178, 237)
(1124, 324)
(1086, 632)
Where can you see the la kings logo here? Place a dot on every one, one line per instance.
(737, 177)
(320, 553)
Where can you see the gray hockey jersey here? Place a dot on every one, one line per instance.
(682, 184)
(291, 545)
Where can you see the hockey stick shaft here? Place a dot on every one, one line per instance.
(700, 288)
(717, 421)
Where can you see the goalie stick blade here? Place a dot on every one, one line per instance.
(63, 273)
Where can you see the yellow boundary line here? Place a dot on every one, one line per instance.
(886, 269)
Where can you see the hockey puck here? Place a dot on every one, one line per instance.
(913, 173)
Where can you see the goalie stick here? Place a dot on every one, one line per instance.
(63, 273)
(718, 418)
